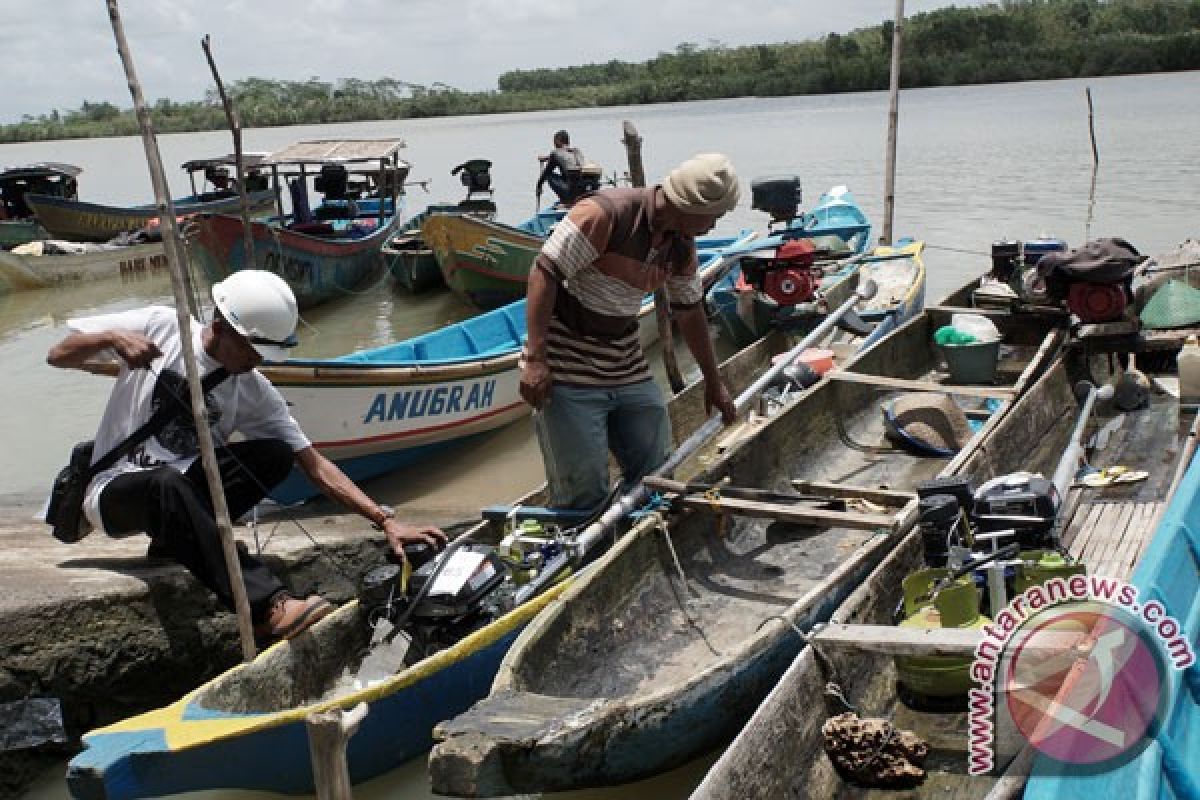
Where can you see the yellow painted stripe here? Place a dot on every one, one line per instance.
(181, 734)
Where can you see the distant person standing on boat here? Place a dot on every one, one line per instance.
(562, 169)
(159, 487)
(583, 367)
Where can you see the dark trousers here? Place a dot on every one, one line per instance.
(176, 510)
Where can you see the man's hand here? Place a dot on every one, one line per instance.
(398, 534)
(136, 349)
(717, 396)
(536, 380)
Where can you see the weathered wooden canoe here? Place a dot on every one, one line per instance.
(19, 271)
(669, 644)
(377, 410)
(76, 220)
(780, 753)
(245, 729)
(1168, 572)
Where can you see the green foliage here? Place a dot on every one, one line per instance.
(1012, 41)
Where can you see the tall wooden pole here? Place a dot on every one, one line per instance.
(177, 262)
(889, 188)
(235, 128)
(662, 313)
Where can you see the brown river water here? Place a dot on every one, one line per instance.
(975, 164)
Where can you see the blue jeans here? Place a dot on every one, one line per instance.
(577, 428)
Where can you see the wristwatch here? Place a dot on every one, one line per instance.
(388, 513)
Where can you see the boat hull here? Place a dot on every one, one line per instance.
(95, 222)
(15, 232)
(317, 269)
(485, 262)
(135, 262)
(616, 682)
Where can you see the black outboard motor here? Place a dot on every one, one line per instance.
(778, 195)
(476, 175)
(446, 598)
(1026, 504)
(333, 182)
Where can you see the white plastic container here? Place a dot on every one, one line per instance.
(1188, 361)
(979, 326)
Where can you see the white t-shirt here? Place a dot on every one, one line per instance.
(247, 404)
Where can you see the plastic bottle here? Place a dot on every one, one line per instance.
(1188, 361)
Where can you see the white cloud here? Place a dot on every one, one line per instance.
(61, 53)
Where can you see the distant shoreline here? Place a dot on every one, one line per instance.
(1024, 40)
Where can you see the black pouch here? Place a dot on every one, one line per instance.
(65, 510)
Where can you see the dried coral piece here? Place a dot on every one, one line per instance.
(873, 752)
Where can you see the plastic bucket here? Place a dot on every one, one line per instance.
(971, 363)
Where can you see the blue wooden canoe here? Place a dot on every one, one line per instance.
(1169, 767)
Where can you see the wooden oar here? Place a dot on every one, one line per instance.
(638, 495)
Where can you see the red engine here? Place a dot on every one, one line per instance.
(1097, 302)
(788, 278)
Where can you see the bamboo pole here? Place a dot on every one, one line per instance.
(328, 733)
(1092, 128)
(1087, 228)
(235, 128)
(889, 187)
(662, 313)
(176, 260)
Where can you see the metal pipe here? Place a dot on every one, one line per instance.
(638, 495)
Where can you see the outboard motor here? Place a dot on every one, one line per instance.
(778, 195)
(1025, 503)
(333, 182)
(789, 277)
(476, 176)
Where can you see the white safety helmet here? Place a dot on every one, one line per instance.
(260, 306)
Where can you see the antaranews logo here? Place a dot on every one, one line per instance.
(1078, 668)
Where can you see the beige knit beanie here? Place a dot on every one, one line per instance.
(704, 184)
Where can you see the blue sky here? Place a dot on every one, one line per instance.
(59, 53)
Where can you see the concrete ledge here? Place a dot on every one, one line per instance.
(110, 633)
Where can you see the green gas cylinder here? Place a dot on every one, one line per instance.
(955, 606)
(1039, 566)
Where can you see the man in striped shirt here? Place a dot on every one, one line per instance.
(583, 369)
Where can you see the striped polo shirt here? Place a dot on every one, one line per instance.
(605, 256)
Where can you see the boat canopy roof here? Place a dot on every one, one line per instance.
(40, 169)
(337, 151)
(248, 159)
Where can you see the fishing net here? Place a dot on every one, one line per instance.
(1176, 304)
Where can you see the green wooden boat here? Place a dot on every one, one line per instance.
(17, 223)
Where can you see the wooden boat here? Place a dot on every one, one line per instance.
(380, 409)
(245, 728)
(325, 252)
(17, 223)
(780, 753)
(670, 642)
(408, 259)
(488, 262)
(75, 220)
(841, 232)
(1168, 571)
(75, 263)
(484, 261)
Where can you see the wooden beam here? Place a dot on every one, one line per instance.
(882, 382)
(886, 497)
(800, 514)
(956, 642)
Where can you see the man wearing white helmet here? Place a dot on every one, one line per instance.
(583, 368)
(159, 486)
